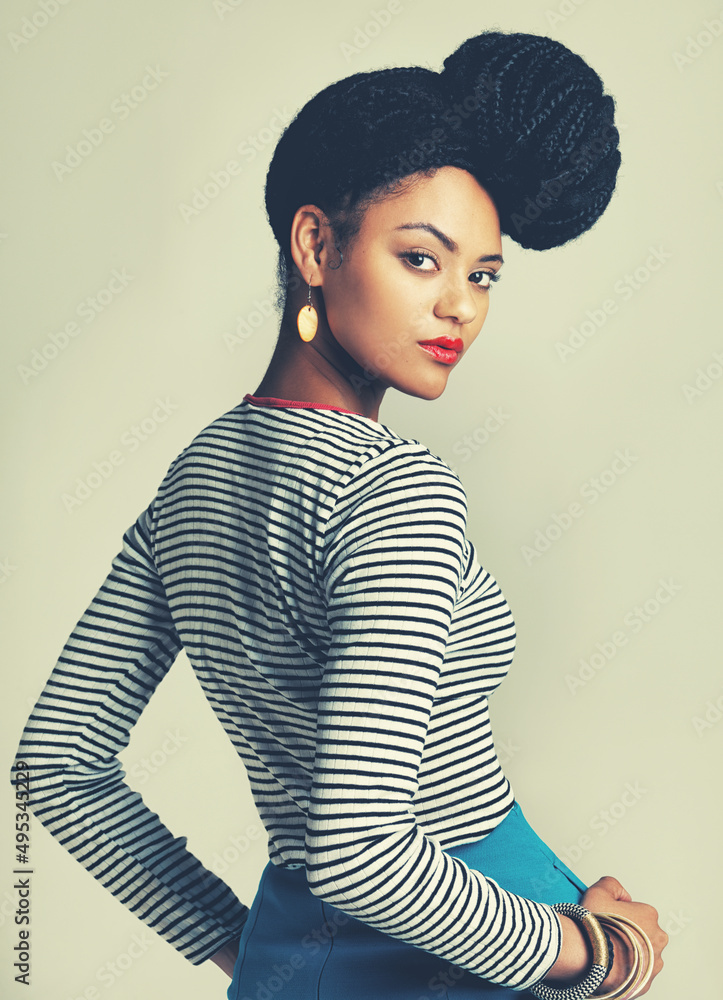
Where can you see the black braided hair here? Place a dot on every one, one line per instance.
(522, 113)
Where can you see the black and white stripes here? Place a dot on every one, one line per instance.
(315, 567)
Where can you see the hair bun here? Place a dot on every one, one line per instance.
(541, 130)
(522, 113)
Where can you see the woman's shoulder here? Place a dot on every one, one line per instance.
(348, 453)
(399, 469)
(343, 433)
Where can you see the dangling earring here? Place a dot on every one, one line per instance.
(308, 320)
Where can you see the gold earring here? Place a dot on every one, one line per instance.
(308, 320)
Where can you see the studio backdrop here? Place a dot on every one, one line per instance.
(585, 424)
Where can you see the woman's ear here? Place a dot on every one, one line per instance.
(308, 228)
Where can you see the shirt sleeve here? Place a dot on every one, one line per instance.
(116, 656)
(394, 562)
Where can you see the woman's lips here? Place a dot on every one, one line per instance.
(451, 343)
(445, 349)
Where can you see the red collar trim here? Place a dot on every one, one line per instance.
(275, 401)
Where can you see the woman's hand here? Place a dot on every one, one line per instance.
(606, 896)
(225, 958)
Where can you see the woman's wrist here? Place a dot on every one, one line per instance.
(575, 957)
(581, 964)
(225, 958)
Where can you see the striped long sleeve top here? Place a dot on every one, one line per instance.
(314, 565)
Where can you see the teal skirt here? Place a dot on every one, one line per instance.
(295, 946)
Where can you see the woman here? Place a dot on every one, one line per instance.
(315, 567)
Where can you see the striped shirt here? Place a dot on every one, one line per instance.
(315, 567)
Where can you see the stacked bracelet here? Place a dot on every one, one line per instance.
(611, 950)
(639, 975)
(602, 961)
(601, 958)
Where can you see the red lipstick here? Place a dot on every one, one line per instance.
(446, 349)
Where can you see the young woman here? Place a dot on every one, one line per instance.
(315, 566)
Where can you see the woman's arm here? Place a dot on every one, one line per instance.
(225, 958)
(395, 558)
(116, 656)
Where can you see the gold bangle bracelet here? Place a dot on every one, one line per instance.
(647, 975)
(633, 974)
(627, 989)
(638, 978)
(597, 940)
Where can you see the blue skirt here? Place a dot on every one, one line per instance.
(294, 946)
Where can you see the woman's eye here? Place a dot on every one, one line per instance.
(423, 261)
(416, 259)
(483, 279)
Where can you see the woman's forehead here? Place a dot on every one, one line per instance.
(451, 201)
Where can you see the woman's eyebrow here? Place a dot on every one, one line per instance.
(447, 241)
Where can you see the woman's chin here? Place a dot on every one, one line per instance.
(426, 388)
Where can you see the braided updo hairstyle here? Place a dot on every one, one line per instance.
(522, 113)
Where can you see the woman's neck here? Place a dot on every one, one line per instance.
(323, 374)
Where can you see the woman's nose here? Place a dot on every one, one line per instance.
(457, 301)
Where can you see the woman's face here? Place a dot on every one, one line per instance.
(419, 269)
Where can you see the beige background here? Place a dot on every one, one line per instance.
(613, 771)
